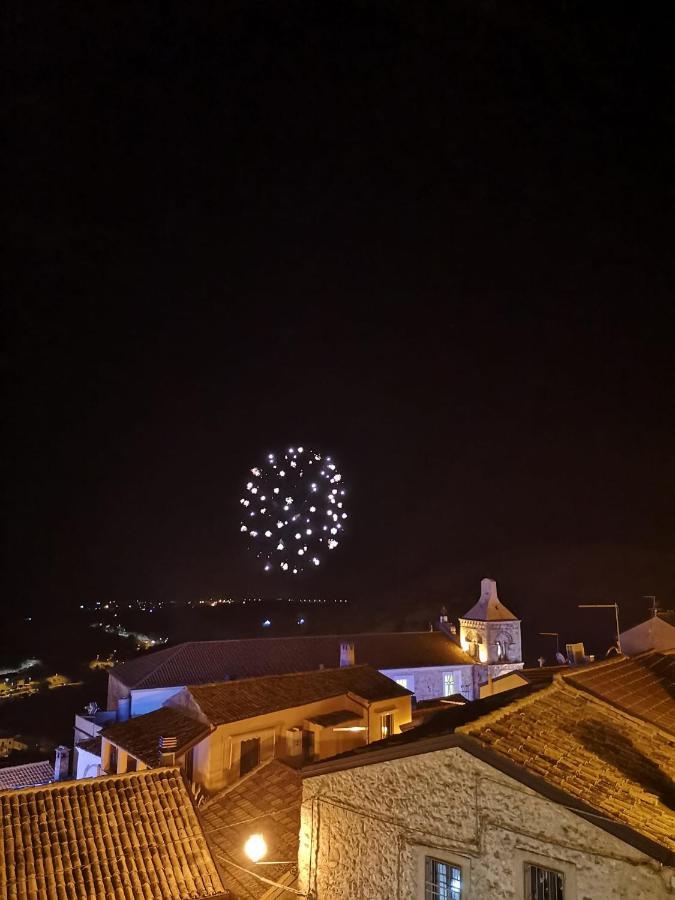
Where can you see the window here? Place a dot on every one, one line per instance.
(387, 725)
(112, 765)
(132, 763)
(404, 681)
(543, 884)
(449, 686)
(249, 756)
(442, 880)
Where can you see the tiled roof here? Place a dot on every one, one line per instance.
(562, 742)
(140, 736)
(93, 745)
(642, 685)
(202, 662)
(489, 608)
(591, 751)
(231, 701)
(265, 802)
(123, 836)
(26, 775)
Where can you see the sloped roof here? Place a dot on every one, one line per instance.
(231, 701)
(26, 775)
(489, 607)
(92, 745)
(123, 836)
(268, 802)
(642, 685)
(592, 752)
(203, 662)
(140, 736)
(564, 743)
(337, 717)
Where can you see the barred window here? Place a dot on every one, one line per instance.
(543, 884)
(442, 880)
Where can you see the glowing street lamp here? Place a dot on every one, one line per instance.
(255, 847)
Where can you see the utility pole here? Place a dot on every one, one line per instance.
(615, 607)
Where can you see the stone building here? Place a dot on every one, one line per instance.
(554, 792)
(490, 634)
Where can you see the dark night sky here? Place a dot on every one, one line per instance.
(436, 239)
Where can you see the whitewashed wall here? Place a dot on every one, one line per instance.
(365, 833)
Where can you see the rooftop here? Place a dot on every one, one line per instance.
(489, 607)
(231, 701)
(641, 685)
(26, 775)
(565, 743)
(267, 801)
(203, 662)
(123, 836)
(140, 736)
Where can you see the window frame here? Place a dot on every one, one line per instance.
(523, 859)
(527, 870)
(453, 673)
(390, 716)
(446, 856)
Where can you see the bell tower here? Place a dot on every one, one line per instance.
(490, 633)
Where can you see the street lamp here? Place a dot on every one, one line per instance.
(256, 847)
(615, 607)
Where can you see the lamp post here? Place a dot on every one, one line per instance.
(615, 607)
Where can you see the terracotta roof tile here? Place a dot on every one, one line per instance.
(592, 752)
(140, 736)
(642, 685)
(26, 775)
(123, 836)
(269, 798)
(202, 662)
(230, 701)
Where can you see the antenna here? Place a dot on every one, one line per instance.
(615, 607)
(653, 608)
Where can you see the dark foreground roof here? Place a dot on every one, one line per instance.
(268, 802)
(26, 775)
(140, 736)
(122, 836)
(231, 701)
(202, 662)
(564, 743)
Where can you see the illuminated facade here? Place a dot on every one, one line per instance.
(490, 634)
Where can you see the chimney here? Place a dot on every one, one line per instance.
(347, 656)
(61, 763)
(167, 749)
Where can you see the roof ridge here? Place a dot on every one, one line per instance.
(298, 637)
(85, 782)
(230, 681)
(496, 714)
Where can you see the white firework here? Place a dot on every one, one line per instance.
(293, 529)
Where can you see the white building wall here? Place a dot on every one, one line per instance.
(145, 701)
(365, 833)
(427, 682)
(87, 765)
(654, 634)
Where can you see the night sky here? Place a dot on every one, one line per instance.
(432, 239)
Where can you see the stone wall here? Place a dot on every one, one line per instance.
(365, 833)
